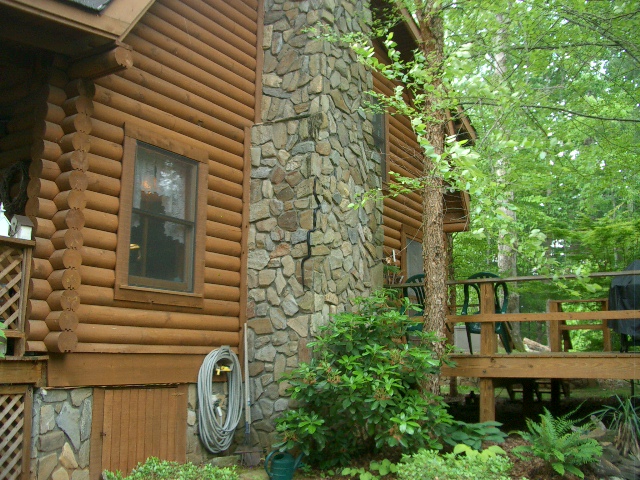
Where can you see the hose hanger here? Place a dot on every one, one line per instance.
(309, 232)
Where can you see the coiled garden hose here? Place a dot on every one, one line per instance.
(215, 434)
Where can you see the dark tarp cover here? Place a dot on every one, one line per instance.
(95, 5)
(624, 294)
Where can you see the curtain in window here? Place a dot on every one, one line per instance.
(168, 178)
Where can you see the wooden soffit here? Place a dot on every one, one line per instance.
(65, 27)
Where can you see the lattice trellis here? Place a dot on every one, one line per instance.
(11, 287)
(13, 435)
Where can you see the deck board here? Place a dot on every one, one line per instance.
(622, 366)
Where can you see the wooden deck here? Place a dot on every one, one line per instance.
(491, 367)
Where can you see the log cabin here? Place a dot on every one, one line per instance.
(188, 167)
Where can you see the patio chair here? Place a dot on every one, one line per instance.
(501, 300)
(417, 296)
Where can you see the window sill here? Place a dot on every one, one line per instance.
(159, 297)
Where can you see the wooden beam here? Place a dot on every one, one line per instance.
(544, 317)
(113, 60)
(94, 369)
(22, 370)
(546, 365)
(487, 400)
(116, 20)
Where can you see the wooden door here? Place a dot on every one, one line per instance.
(133, 424)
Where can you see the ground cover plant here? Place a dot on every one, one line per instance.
(557, 442)
(155, 469)
(464, 463)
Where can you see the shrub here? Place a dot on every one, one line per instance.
(360, 391)
(555, 441)
(490, 464)
(472, 434)
(155, 469)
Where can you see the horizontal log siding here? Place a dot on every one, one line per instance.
(403, 212)
(194, 75)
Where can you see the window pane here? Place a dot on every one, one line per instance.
(160, 249)
(414, 258)
(164, 183)
(162, 221)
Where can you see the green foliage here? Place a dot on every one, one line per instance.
(553, 98)
(464, 463)
(624, 419)
(360, 393)
(155, 469)
(385, 467)
(3, 337)
(472, 434)
(555, 441)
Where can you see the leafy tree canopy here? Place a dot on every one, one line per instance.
(552, 88)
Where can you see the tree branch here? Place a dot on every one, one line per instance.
(585, 115)
(557, 109)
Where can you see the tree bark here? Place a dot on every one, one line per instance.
(434, 250)
(507, 253)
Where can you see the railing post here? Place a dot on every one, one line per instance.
(488, 346)
(606, 334)
(554, 327)
(488, 343)
(487, 400)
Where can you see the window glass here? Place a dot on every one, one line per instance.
(380, 136)
(415, 264)
(163, 220)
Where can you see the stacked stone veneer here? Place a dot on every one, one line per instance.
(314, 130)
(61, 432)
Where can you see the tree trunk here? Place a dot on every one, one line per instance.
(507, 258)
(452, 300)
(433, 244)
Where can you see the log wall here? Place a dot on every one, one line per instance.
(402, 215)
(193, 79)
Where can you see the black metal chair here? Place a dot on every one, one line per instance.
(417, 291)
(417, 297)
(501, 301)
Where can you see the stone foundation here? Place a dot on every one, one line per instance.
(196, 452)
(61, 432)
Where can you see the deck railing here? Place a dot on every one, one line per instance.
(489, 366)
(556, 318)
(15, 270)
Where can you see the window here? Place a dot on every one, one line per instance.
(415, 263)
(160, 256)
(162, 220)
(379, 123)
